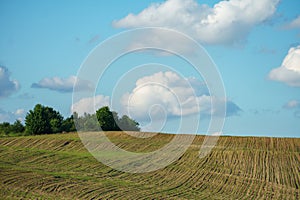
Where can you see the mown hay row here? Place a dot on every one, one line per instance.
(58, 166)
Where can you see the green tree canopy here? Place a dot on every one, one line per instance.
(68, 124)
(43, 119)
(110, 121)
(17, 127)
(5, 128)
(106, 119)
(127, 124)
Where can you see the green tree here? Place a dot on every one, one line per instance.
(56, 125)
(68, 124)
(43, 120)
(106, 119)
(91, 123)
(128, 124)
(116, 121)
(5, 128)
(17, 127)
(109, 121)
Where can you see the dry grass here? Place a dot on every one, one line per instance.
(59, 167)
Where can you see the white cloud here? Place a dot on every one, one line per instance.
(6, 116)
(166, 93)
(7, 85)
(227, 22)
(294, 24)
(19, 112)
(289, 71)
(63, 84)
(90, 104)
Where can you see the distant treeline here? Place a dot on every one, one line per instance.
(46, 120)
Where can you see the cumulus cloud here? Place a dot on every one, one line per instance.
(289, 71)
(63, 84)
(90, 104)
(295, 24)
(227, 22)
(6, 116)
(7, 85)
(167, 94)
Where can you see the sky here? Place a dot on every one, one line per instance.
(254, 45)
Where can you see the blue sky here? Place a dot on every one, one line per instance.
(254, 44)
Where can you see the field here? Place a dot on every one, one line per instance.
(59, 167)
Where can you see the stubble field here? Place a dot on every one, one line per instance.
(59, 167)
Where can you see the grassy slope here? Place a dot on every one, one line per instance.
(59, 167)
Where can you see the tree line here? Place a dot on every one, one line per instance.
(46, 120)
